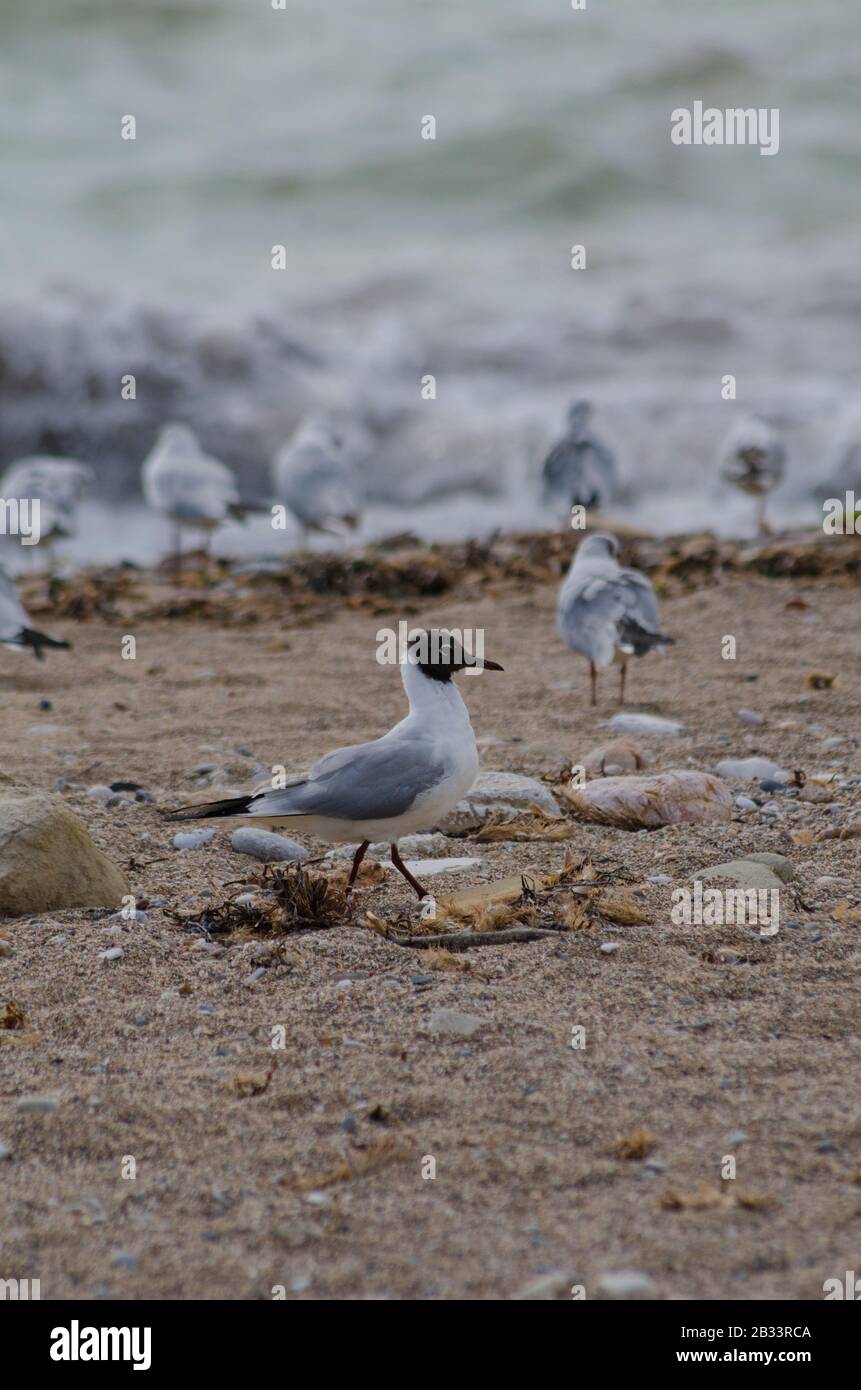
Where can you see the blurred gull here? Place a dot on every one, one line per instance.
(579, 470)
(15, 629)
(401, 783)
(190, 487)
(845, 459)
(752, 459)
(58, 483)
(605, 612)
(317, 477)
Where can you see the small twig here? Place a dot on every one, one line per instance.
(462, 940)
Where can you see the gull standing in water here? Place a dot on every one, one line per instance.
(579, 470)
(58, 484)
(16, 631)
(401, 783)
(189, 486)
(605, 612)
(752, 459)
(316, 476)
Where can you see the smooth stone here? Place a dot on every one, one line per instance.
(649, 725)
(625, 1283)
(744, 803)
(751, 770)
(453, 1023)
(192, 839)
(37, 1105)
(265, 845)
(99, 793)
(754, 871)
(492, 793)
(751, 716)
(254, 976)
(609, 948)
(112, 953)
(48, 862)
(123, 1259)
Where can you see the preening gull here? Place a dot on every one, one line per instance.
(189, 486)
(401, 783)
(315, 475)
(752, 459)
(16, 631)
(579, 470)
(605, 612)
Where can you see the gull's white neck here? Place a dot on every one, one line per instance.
(431, 699)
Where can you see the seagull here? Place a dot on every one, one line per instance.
(846, 451)
(15, 630)
(579, 470)
(401, 783)
(189, 486)
(752, 459)
(315, 475)
(606, 612)
(57, 483)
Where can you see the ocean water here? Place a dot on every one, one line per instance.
(406, 256)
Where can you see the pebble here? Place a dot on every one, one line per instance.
(544, 1287)
(744, 803)
(124, 1259)
(37, 1105)
(112, 953)
(649, 725)
(99, 793)
(625, 1283)
(254, 976)
(659, 878)
(45, 704)
(751, 716)
(751, 769)
(453, 1023)
(348, 1124)
(739, 1136)
(266, 846)
(609, 948)
(5, 947)
(192, 839)
(422, 980)
(768, 784)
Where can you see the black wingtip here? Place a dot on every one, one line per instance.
(210, 810)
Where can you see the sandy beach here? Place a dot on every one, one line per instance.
(303, 1167)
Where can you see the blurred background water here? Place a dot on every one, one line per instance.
(407, 256)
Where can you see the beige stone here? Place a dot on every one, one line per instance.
(48, 860)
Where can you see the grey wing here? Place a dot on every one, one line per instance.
(590, 611)
(373, 781)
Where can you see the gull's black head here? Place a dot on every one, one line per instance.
(439, 654)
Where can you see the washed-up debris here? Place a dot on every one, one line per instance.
(282, 901)
(521, 829)
(706, 1198)
(845, 912)
(646, 803)
(820, 680)
(251, 1083)
(362, 1158)
(638, 1144)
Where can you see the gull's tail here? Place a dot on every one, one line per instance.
(232, 806)
(638, 640)
(29, 637)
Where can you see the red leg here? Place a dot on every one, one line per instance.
(402, 869)
(593, 676)
(357, 859)
(622, 682)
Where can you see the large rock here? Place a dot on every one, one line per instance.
(753, 871)
(646, 803)
(49, 862)
(499, 793)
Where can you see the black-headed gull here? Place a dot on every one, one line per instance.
(401, 783)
